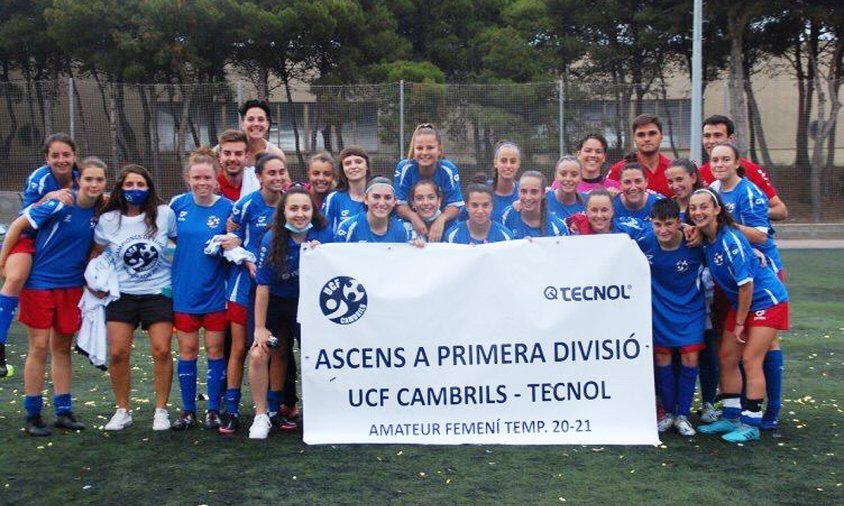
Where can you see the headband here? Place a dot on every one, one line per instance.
(707, 190)
(377, 181)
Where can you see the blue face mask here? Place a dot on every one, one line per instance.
(136, 197)
(289, 226)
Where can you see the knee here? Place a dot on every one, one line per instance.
(689, 359)
(662, 358)
(118, 356)
(161, 352)
(14, 281)
(186, 352)
(38, 351)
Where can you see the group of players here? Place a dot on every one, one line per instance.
(224, 257)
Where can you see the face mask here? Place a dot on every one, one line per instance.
(136, 197)
(289, 226)
(432, 218)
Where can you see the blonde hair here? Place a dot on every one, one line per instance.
(425, 129)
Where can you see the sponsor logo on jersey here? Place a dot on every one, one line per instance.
(731, 207)
(343, 300)
(183, 215)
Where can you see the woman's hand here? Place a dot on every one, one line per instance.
(253, 270)
(262, 335)
(64, 196)
(230, 242)
(435, 234)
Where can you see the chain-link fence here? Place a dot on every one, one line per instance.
(156, 125)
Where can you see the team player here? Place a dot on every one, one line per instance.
(54, 180)
(199, 296)
(231, 153)
(320, 177)
(718, 129)
(758, 309)
(592, 151)
(425, 161)
(635, 200)
(252, 215)
(277, 295)
(647, 136)
(599, 218)
(679, 313)
(507, 160)
(683, 179)
(49, 300)
(425, 200)
(347, 200)
(566, 200)
(479, 228)
(136, 233)
(255, 121)
(376, 224)
(533, 219)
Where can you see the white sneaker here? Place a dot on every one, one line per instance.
(119, 421)
(161, 419)
(665, 423)
(261, 426)
(684, 426)
(708, 413)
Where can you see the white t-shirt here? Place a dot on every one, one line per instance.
(142, 268)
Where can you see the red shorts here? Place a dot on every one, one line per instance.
(25, 244)
(775, 317)
(237, 313)
(689, 348)
(53, 308)
(213, 322)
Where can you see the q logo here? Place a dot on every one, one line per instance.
(343, 300)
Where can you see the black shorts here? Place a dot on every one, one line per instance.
(143, 309)
(281, 318)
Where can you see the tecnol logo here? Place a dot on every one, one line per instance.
(343, 300)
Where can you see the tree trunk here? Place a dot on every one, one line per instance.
(738, 107)
(86, 136)
(147, 131)
(824, 128)
(10, 110)
(187, 95)
(126, 138)
(285, 78)
(112, 123)
(756, 123)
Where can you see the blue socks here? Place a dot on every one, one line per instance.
(33, 404)
(773, 369)
(187, 382)
(685, 389)
(274, 398)
(62, 404)
(667, 387)
(215, 378)
(8, 308)
(233, 401)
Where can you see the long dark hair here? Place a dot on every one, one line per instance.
(724, 218)
(118, 203)
(342, 180)
(277, 256)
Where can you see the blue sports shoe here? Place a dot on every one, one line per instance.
(722, 426)
(743, 434)
(770, 419)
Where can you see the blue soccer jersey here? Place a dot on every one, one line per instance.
(731, 260)
(678, 296)
(63, 243)
(199, 279)
(286, 284)
(643, 214)
(446, 176)
(41, 182)
(252, 216)
(338, 206)
(554, 226)
(748, 205)
(356, 229)
(633, 227)
(563, 211)
(500, 203)
(459, 234)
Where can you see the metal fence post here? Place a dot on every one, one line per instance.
(561, 94)
(70, 108)
(401, 116)
(239, 94)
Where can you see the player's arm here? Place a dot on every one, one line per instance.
(777, 210)
(745, 297)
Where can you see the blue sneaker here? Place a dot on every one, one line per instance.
(743, 434)
(722, 426)
(770, 419)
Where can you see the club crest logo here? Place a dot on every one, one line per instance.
(141, 257)
(343, 300)
(213, 222)
(682, 266)
(718, 258)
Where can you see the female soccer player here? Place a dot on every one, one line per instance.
(320, 177)
(635, 200)
(51, 295)
(252, 215)
(679, 313)
(683, 179)
(592, 151)
(199, 290)
(55, 180)
(376, 224)
(507, 159)
(277, 294)
(347, 200)
(533, 220)
(425, 161)
(759, 308)
(134, 230)
(566, 200)
(479, 228)
(599, 218)
(425, 200)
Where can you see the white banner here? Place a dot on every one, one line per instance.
(521, 342)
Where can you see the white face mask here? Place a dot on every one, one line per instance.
(289, 226)
(433, 217)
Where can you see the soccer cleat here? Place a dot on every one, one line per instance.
(212, 420)
(7, 371)
(230, 424)
(185, 421)
(684, 426)
(283, 423)
(708, 413)
(35, 426)
(161, 419)
(742, 434)
(722, 426)
(665, 423)
(119, 421)
(770, 419)
(260, 428)
(291, 412)
(68, 421)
